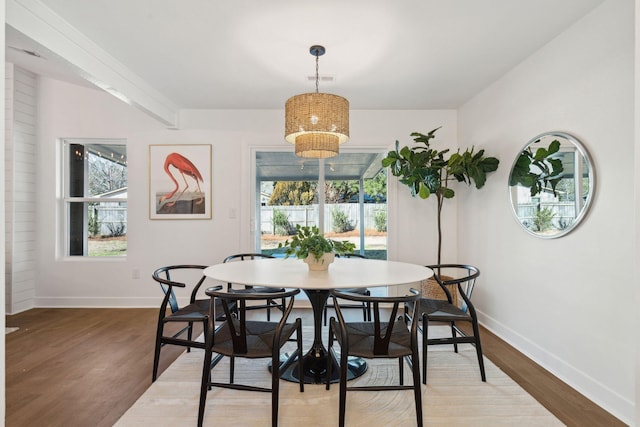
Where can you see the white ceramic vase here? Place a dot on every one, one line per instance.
(322, 264)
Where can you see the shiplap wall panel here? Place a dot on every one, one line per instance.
(20, 179)
(8, 187)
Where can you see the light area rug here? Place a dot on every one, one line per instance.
(454, 396)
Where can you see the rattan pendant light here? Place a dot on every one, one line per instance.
(317, 123)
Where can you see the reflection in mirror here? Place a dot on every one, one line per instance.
(551, 184)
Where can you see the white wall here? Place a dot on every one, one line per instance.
(567, 303)
(66, 110)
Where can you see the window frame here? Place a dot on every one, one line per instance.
(68, 201)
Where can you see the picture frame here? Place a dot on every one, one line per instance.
(180, 181)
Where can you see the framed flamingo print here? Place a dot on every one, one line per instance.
(180, 181)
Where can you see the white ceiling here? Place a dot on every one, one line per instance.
(254, 54)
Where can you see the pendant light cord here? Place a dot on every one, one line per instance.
(317, 68)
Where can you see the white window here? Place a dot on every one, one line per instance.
(95, 197)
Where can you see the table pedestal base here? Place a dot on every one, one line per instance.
(314, 369)
(316, 360)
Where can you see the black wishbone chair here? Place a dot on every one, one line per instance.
(197, 311)
(377, 339)
(434, 310)
(240, 337)
(364, 306)
(270, 302)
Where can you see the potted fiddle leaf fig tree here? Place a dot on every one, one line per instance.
(312, 247)
(427, 171)
(538, 169)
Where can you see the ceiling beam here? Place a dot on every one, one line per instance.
(87, 59)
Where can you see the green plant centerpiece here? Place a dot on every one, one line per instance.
(317, 251)
(427, 171)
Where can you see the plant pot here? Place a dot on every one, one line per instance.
(322, 264)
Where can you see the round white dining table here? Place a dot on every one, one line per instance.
(342, 273)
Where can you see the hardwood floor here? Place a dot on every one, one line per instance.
(80, 367)
(86, 367)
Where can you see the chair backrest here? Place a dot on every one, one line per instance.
(462, 275)
(162, 275)
(247, 256)
(351, 255)
(381, 342)
(244, 257)
(236, 319)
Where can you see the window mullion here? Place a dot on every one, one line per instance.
(321, 200)
(94, 199)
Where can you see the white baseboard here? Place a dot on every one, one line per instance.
(82, 302)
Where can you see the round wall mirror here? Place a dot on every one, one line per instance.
(551, 184)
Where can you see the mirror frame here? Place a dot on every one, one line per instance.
(589, 196)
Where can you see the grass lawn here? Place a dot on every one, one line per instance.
(108, 246)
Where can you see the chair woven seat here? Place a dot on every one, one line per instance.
(443, 310)
(191, 312)
(362, 335)
(256, 290)
(359, 291)
(259, 338)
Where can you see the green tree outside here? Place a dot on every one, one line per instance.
(302, 193)
(377, 186)
(293, 193)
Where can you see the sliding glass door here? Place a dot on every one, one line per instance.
(344, 196)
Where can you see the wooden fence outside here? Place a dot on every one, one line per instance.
(308, 215)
